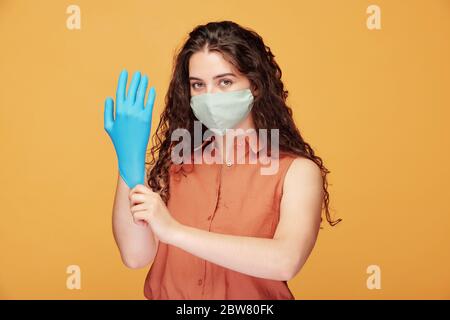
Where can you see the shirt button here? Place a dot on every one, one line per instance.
(200, 281)
(229, 163)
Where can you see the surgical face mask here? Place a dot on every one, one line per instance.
(222, 110)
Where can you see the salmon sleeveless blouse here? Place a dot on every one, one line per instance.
(231, 199)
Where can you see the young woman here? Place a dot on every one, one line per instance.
(220, 230)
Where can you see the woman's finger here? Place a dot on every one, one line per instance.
(140, 188)
(139, 215)
(141, 92)
(121, 87)
(138, 207)
(108, 114)
(137, 198)
(141, 223)
(131, 95)
(150, 102)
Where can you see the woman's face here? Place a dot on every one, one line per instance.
(209, 72)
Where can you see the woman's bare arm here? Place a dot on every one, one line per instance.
(137, 243)
(280, 258)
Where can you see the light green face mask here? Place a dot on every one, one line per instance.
(222, 110)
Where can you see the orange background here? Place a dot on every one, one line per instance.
(374, 104)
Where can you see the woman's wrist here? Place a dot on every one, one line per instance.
(177, 234)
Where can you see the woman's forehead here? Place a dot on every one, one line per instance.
(207, 65)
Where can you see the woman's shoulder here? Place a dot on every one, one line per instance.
(303, 170)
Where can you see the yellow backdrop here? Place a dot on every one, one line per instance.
(373, 103)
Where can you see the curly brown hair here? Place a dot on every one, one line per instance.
(246, 51)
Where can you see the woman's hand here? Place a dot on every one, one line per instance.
(148, 209)
(130, 129)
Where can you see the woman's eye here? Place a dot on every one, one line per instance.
(195, 83)
(227, 81)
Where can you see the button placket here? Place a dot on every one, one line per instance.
(218, 186)
(202, 281)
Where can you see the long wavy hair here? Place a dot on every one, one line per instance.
(246, 51)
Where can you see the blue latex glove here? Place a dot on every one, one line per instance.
(130, 130)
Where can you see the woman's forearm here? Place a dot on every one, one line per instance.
(136, 243)
(258, 257)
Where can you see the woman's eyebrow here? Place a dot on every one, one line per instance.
(215, 77)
